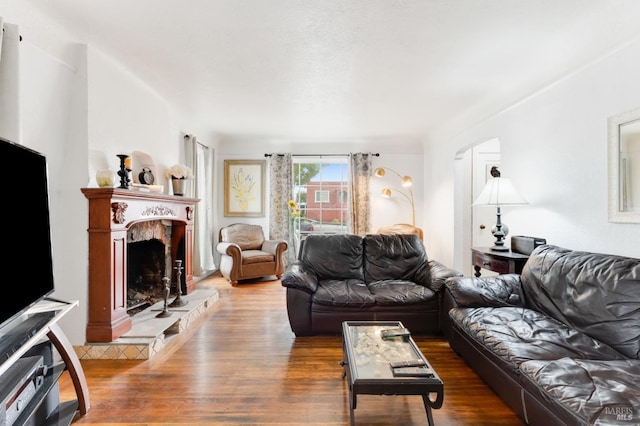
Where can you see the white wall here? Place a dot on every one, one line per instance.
(82, 114)
(80, 108)
(401, 154)
(53, 91)
(554, 148)
(125, 115)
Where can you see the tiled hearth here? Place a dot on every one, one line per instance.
(150, 334)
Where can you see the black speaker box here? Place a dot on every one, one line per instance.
(525, 245)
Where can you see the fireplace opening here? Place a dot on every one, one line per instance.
(148, 262)
(146, 267)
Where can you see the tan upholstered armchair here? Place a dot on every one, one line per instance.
(401, 228)
(245, 254)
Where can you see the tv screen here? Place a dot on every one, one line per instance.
(27, 266)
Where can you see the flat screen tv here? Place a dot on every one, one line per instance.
(26, 264)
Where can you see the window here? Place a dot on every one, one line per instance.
(320, 184)
(322, 196)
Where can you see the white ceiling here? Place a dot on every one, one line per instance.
(347, 68)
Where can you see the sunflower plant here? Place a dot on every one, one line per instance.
(294, 210)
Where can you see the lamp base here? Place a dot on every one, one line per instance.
(500, 232)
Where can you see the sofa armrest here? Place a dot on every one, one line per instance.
(439, 274)
(496, 291)
(297, 276)
(230, 249)
(274, 246)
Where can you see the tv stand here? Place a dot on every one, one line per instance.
(30, 373)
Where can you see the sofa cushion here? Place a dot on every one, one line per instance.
(596, 392)
(350, 292)
(399, 292)
(395, 257)
(337, 257)
(597, 294)
(517, 335)
(256, 256)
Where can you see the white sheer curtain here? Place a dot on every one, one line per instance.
(200, 158)
(9, 81)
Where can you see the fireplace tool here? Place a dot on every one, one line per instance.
(165, 294)
(178, 300)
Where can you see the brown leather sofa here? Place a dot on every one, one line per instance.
(560, 343)
(245, 253)
(351, 278)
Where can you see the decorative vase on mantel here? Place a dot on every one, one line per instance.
(179, 185)
(105, 178)
(179, 174)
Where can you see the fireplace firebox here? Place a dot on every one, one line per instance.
(119, 218)
(146, 262)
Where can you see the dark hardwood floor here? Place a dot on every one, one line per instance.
(242, 365)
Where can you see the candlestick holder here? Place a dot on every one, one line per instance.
(124, 172)
(178, 300)
(165, 295)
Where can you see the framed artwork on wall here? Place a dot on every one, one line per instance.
(244, 186)
(624, 167)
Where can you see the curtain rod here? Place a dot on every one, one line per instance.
(375, 154)
(197, 141)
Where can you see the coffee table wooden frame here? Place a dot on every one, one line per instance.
(387, 385)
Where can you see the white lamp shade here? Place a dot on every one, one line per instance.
(499, 191)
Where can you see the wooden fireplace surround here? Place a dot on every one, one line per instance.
(112, 211)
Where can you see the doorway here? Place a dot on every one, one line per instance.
(473, 223)
(483, 218)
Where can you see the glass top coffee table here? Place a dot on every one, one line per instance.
(368, 359)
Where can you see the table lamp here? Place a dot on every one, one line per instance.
(499, 192)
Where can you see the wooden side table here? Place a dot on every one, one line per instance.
(502, 262)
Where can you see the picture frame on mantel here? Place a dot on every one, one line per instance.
(244, 188)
